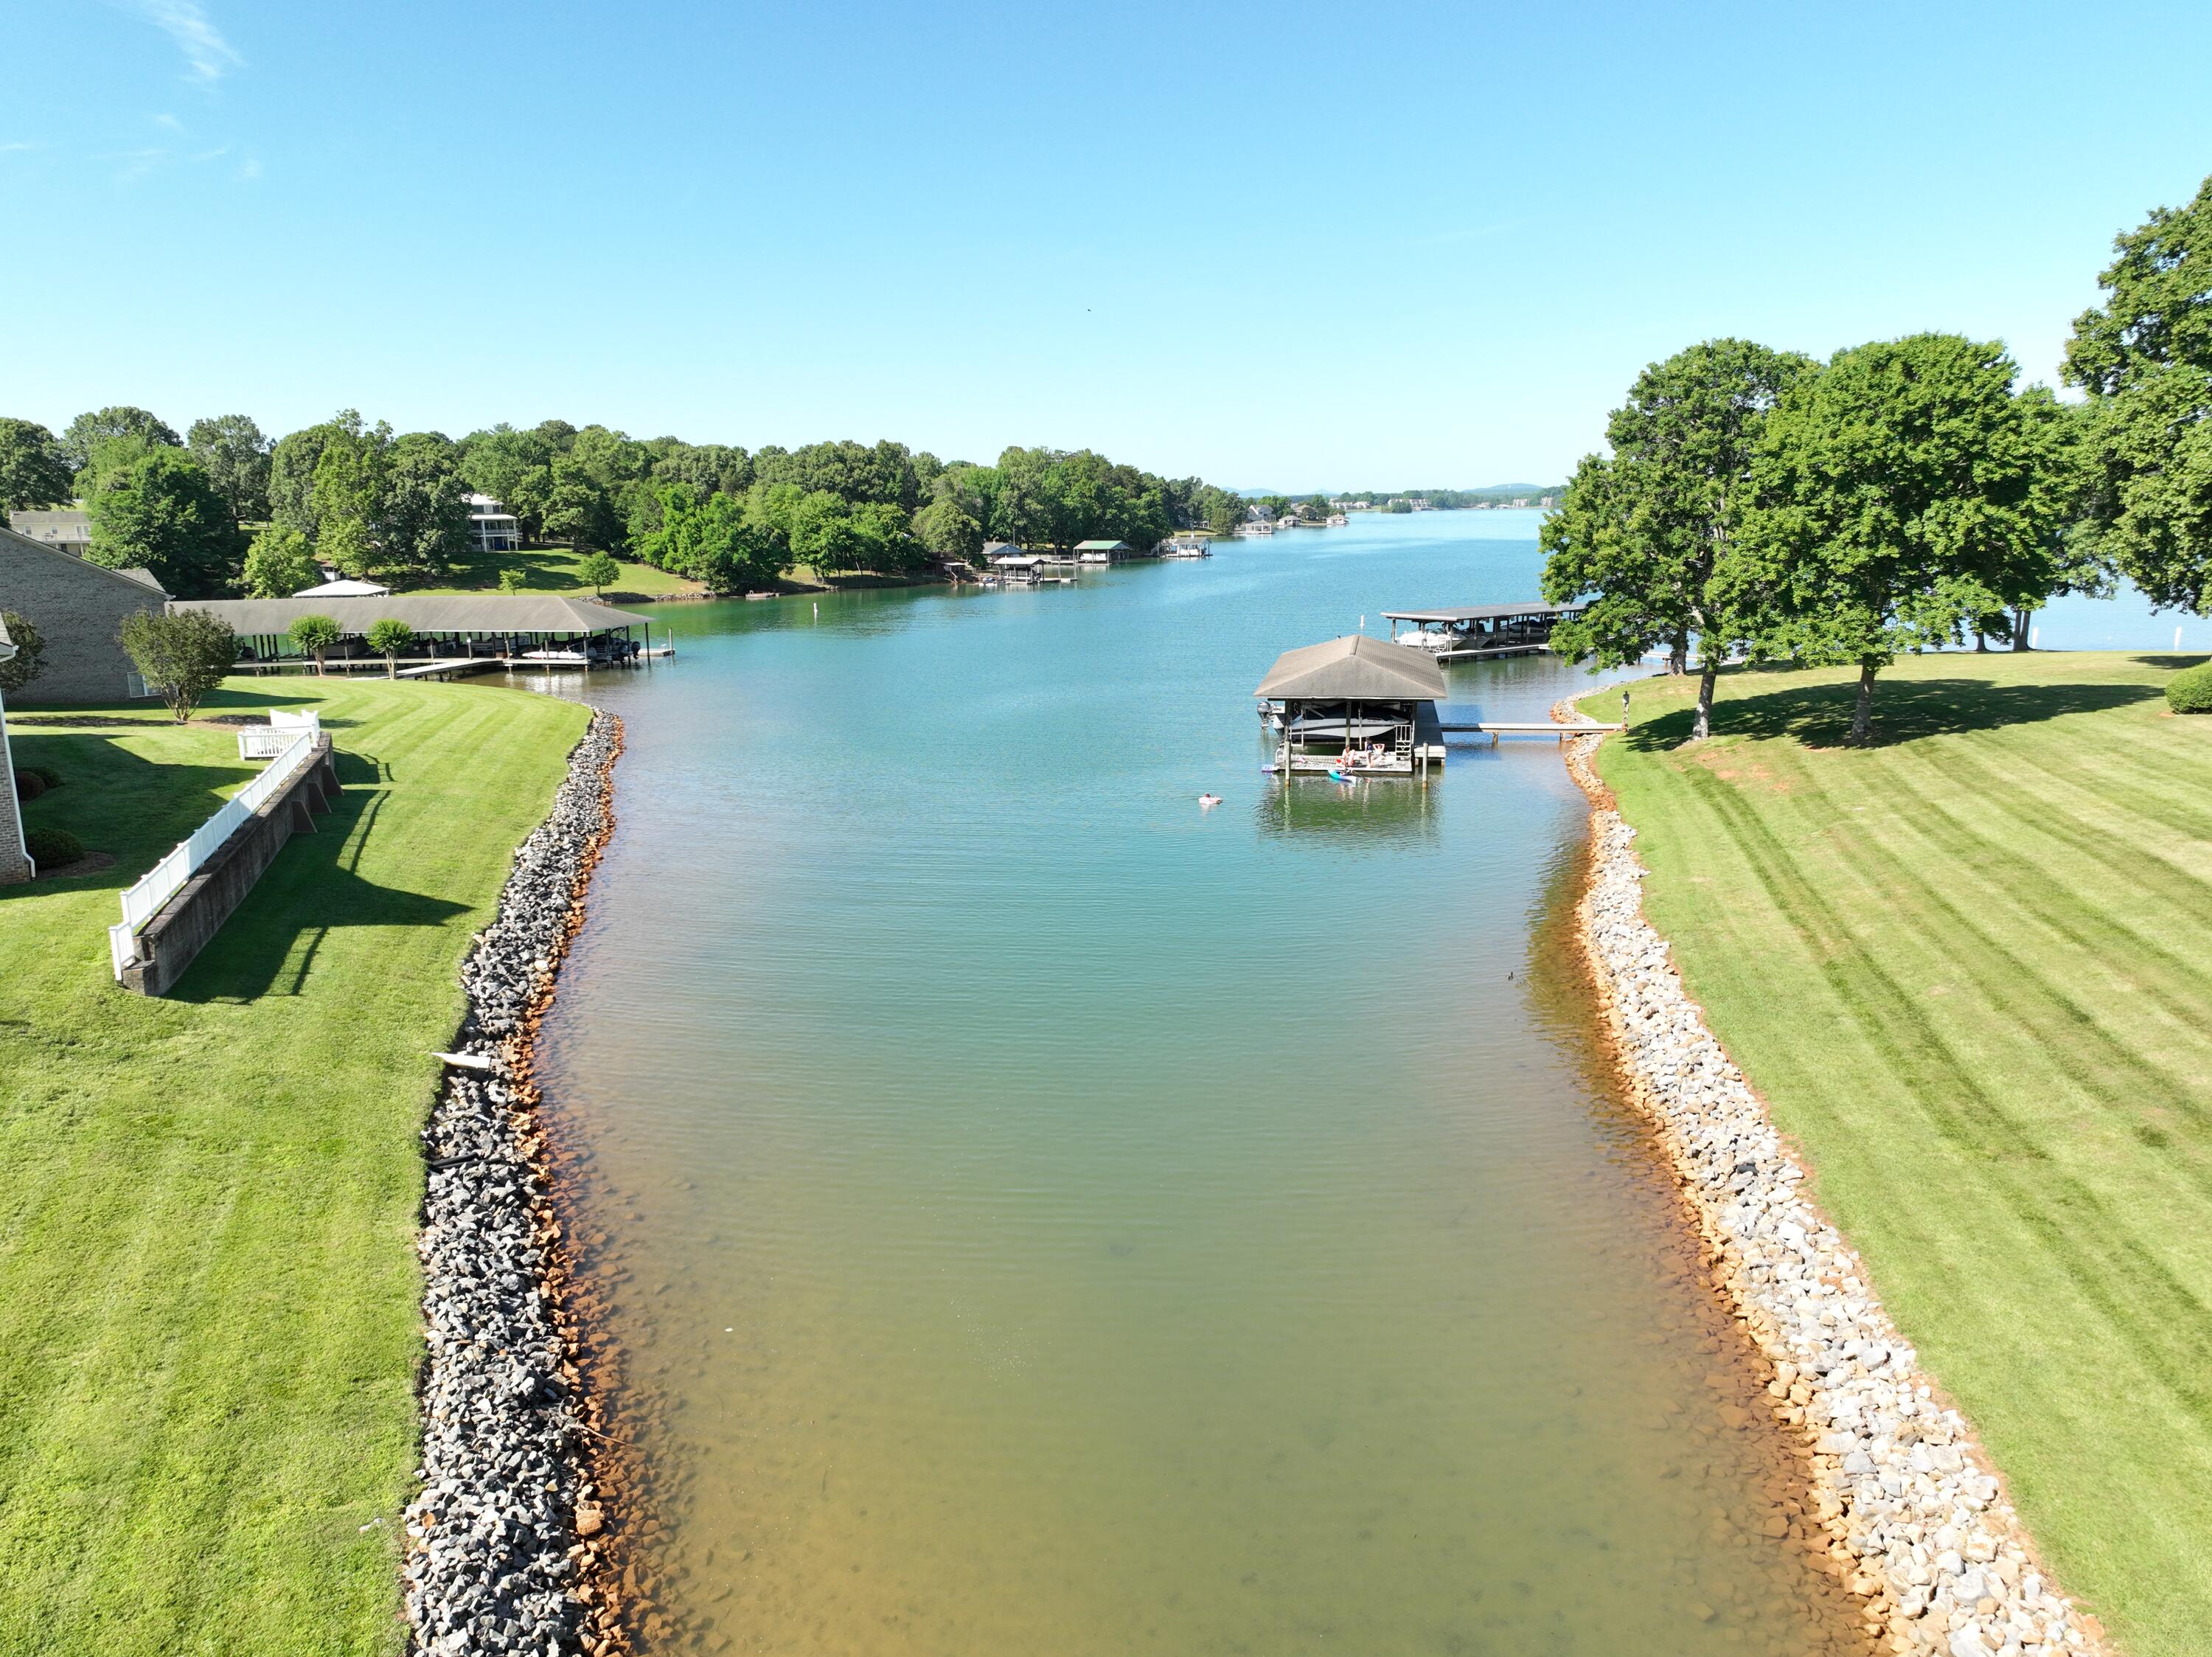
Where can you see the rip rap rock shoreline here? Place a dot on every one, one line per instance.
(509, 1546)
(1906, 1494)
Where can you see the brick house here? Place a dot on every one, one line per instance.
(78, 607)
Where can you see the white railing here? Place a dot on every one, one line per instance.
(267, 741)
(142, 902)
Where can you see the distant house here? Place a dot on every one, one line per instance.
(995, 551)
(68, 531)
(492, 528)
(16, 864)
(78, 607)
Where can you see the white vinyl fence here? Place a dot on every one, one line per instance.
(167, 877)
(267, 741)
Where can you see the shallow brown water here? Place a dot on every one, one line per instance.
(1040, 1217)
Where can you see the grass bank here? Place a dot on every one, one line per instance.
(209, 1295)
(558, 570)
(1968, 969)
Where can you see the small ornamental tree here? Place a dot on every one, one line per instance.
(510, 581)
(597, 570)
(315, 635)
(183, 655)
(388, 638)
(29, 660)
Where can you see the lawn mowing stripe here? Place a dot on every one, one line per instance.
(1893, 1022)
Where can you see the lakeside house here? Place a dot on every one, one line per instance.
(66, 529)
(1360, 705)
(492, 528)
(78, 607)
(16, 864)
(451, 629)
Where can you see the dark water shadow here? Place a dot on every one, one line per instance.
(1372, 812)
(1904, 709)
(313, 888)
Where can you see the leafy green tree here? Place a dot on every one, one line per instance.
(236, 455)
(348, 495)
(161, 510)
(708, 468)
(388, 638)
(316, 636)
(183, 655)
(422, 519)
(292, 466)
(715, 541)
(597, 571)
(278, 563)
(34, 471)
(85, 433)
(951, 531)
(885, 537)
(510, 581)
(580, 508)
(1642, 532)
(2145, 358)
(1898, 495)
(29, 660)
(516, 469)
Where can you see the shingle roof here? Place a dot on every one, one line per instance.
(1354, 668)
(9, 540)
(426, 613)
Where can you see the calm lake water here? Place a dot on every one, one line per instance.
(1041, 1216)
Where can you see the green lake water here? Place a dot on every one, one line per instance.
(1041, 1216)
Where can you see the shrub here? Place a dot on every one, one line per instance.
(53, 848)
(316, 635)
(2189, 691)
(29, 785)
(45, 774)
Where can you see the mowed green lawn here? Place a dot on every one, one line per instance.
(1970, 970)
(209, 1293)
(556, 569)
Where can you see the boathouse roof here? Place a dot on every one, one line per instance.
(1354, 668)
(1486, 613)
(1101, 546)
(426, 613)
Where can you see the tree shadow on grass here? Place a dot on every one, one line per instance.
(132, 808)
(1904, 709)
(313, 888)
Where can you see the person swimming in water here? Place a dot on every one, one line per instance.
(1209, 801)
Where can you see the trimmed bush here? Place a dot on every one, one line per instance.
(2189, 691)
(45, 774)
(53, 848)
(29, 785)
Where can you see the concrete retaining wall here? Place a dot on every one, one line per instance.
(182, 927)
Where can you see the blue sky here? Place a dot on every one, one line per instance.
(1281, 244)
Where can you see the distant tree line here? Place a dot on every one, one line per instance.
(222, 509)
(1905, 495)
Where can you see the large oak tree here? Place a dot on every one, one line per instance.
(1642, 532)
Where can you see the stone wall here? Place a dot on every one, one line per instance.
(77, 608)
(168, 942)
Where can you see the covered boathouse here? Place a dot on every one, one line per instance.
(1481, 630)
(452, 631)
(1360, 706)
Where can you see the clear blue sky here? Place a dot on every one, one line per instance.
(1277, 245)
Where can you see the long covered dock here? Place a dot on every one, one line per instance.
(1478, 630)
(453, 632)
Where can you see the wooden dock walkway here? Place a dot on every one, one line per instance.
(1461, 719)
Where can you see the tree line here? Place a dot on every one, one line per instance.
(222, 509)
(1905, 495)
